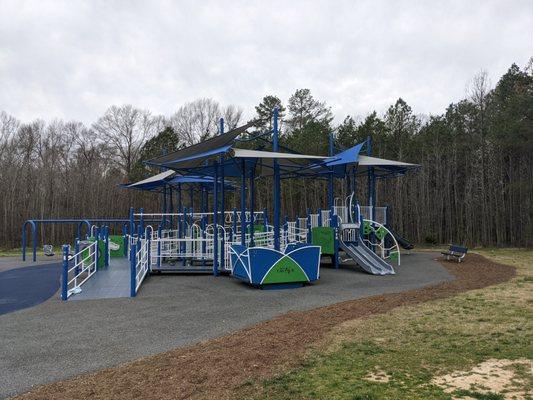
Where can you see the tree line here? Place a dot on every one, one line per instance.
(475, 185)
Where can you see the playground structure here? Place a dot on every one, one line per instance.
(247, 244)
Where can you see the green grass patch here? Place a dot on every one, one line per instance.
(410, 346)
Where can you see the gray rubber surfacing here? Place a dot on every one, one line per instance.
(57, 340)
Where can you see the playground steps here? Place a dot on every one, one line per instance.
(366, 258)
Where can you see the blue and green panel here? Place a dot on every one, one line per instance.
(324, 237)
(261, 266)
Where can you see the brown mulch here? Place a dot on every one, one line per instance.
(212, 369)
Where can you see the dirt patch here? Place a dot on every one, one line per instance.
(212, 369)
(378, 376)
(496, 376)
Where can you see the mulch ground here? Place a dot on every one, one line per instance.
(212, 369)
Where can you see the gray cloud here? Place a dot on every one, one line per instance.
(73, 59)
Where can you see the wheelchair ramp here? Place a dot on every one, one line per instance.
(111, 282)
(366, 258)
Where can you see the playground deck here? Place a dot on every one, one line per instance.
(56, 340)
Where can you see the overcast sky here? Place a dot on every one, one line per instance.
(73, 59)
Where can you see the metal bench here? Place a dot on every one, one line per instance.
(455, 252)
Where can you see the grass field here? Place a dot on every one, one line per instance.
(477, 345)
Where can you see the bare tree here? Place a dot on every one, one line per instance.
(125, 129)
(232, 116)
(198, 120)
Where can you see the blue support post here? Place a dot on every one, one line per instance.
(308, 226)
(77, 258)
(159, 247)
(141, 222)
(319, 217)
(183, 234)
(243, 202)
(215, 221)
(234, 222)
(149, 256)
(222, 176)
(297, 225)
(64, 273)
(252, 206)
(164, 207)
(132, 222)
(180, 209)
(330, 176)
(133, 270)
(335, 224)
(286, 229)
(106, 238)
(96, 252)
(277, 184)
(371, 181)
(203, 225)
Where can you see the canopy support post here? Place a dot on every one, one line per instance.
(222, 177)
(252, 205)
(243, 203)
(215, 222)
(330, 176)
(277, 202)
(371, 181)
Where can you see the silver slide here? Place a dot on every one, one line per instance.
(366, 258)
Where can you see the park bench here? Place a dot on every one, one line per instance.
(455, 252)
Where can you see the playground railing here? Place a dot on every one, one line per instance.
(325, 214)
(142, 265)
(380, 214)
(295, 233)
(342, 212)
(196, 248)
(85, 266)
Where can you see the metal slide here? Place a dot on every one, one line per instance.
(366, 258)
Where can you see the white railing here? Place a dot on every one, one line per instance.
(342, 212)
(295, 233)
(142, 265)
(85, 266)
(325, 217)
(229, 216)
(314, 220)
(380, 214)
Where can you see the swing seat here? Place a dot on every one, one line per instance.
(48, 250)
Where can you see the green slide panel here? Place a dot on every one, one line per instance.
(325, 238)
(114, 241)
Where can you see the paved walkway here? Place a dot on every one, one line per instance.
(56, 340)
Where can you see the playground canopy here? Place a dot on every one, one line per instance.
(232, 161)
(172, 179)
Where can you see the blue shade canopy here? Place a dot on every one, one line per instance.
(171, 179)
(350, 156)
(196, 155)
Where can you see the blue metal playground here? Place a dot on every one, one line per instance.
(263, 250)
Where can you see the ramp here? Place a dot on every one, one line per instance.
(366, 258)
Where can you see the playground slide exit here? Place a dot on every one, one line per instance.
(366, 258)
